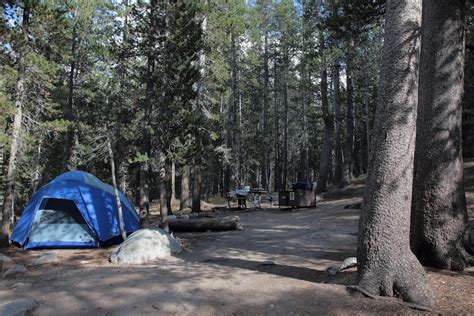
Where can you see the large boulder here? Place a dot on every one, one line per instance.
(146, 245)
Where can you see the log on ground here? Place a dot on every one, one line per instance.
(205, 224)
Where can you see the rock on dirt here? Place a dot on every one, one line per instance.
(18, 307)
(49, 258)
(348, 263)
(144, 246)
(20, 286)
(16, 269)
(5, 259)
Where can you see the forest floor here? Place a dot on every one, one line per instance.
(275, 266)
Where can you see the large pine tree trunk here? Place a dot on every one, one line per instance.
(264, 149)
(276, 132)
(72, 137)
(144, 203)
(326, 151)
(338, 130)
(285, 123)
(20, 97)
(7, 211)
(440, 218)
(197, 182)
(164, 171)
(349, 139)
(185, 201)
(386, 265)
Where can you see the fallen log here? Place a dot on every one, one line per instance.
(205, 224)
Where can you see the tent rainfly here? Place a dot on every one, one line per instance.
(75, 210)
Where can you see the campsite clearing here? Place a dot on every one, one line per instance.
(276, 266)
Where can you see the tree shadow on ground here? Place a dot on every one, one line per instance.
(294, 272)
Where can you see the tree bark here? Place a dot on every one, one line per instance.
(338, 122)
(347, 169)
(197, 183)
(326, 150)
(285, 120)
(116, 191)
(163, 191)
(264, 150)
(20, 96)
(185, 201)
(276, 133)
(173, 181)
(72, 136)
(439, 215)
(144, 204)
(386, 265)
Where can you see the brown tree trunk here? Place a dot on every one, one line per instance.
(144, 203)
(326, 150)
(20, 96)
(338, 130)
(349, 140)
(386, 265)
(197, 182)
(116, 191)
(264, 148)
(276, 132)
(72, 136)
(185, 201)
(173, 181)
(439, 218)
(285, 121)
(163, 191)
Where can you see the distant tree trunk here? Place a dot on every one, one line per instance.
(123, 176)
(146, 142)
(37, 174)
(326, 150)
(2, 177)
(386, 265)
(439, 215)
(338, 131)
(20, 96)
(144, 195)
(276, 115)
(116, 191)
(264, 149)
(173, 181)
(169, 186)
(285, 122)
(72, 136)
(197, 182)
(349, 140)
(163, 190)
(185, 201)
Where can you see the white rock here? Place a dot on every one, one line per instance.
(18, 307)
(5, 259)
(348, 263)
(15, 270)
(49, 258)
(146, 245)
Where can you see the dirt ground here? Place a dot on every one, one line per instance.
(275, 266)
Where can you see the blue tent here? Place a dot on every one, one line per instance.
(75, 210)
